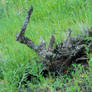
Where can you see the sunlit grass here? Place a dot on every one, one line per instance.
(49, 17)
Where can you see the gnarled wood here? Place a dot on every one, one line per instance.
(57, 59)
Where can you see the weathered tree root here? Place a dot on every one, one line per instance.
(71, 50)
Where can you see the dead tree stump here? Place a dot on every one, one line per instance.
(70, 51)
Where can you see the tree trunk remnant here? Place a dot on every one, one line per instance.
(71, 50)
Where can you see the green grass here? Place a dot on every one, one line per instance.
(49, 17)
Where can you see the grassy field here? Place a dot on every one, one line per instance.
(49, 17)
